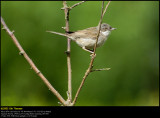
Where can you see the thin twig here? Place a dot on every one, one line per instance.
(89, 70)
(100, 69)
(105, 9)
(76, 5)
(33, 66)
(99, 28)
(69, 8)
(66, 11)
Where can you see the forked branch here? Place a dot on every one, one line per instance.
(69, 92)
(66, 11)
(69, 8)
(89, 70)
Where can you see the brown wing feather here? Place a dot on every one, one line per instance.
(89, 32)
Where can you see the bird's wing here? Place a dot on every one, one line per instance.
(86, 33)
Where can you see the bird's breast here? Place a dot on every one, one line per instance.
(90, 43)
(85, 42)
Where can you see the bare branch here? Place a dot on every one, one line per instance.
(106, 8)
(99, 27)
(76, 5)
(100, 69)
(33, 66)
(69, 8)
(89, 70)
(66, 11)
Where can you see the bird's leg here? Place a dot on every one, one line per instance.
(87, 50)
(91, 51)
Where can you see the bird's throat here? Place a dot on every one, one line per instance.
(106, 33)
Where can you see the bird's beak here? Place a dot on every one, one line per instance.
(113, 28)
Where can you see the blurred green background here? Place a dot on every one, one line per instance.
(132, 53)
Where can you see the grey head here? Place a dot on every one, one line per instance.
(105, 27)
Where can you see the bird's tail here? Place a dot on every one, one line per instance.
(58, 33)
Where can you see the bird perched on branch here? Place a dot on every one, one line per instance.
(86, 38)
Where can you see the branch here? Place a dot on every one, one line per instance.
(89, 70)
(106, 8)
(66, 11)
(33, 66)
(91, 63)
(69, 8)
(69, 92)
(100, 69)
(76, 5)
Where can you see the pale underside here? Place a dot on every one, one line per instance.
(88, 39)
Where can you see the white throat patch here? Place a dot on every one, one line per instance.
(106, 33)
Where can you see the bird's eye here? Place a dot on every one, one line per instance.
(110, 27)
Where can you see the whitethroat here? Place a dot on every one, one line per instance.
(87, 38)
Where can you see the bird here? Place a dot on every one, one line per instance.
(86, 38)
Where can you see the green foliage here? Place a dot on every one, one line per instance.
(132, 53)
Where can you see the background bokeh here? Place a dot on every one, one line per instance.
(132, 53)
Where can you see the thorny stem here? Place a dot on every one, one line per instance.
(89, 70)
(66, 11)
(33, 66)
(69, 92)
